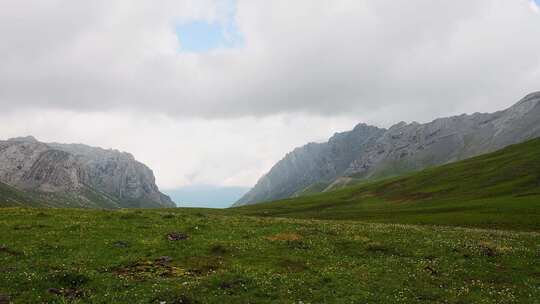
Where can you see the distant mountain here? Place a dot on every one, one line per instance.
(74, 175)
(369, 152)
(498, 190)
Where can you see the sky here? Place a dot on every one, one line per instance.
(214, 92)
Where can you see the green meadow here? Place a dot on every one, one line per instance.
(466, 232)
(199, 256)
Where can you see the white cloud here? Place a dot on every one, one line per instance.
(534, 6)
(181, 152)
(323, 57)
(111, 71)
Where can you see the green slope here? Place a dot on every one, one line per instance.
(86, 198)
(496, 190)
(11, 197)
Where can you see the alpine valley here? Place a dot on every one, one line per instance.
(371, 153)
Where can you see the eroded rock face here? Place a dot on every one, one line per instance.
(370, 152)
(114, 178)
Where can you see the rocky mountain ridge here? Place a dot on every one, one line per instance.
(82, 175)
(368, 152)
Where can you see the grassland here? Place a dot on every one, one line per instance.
(126, 256)
(500, 190)
(389, 241)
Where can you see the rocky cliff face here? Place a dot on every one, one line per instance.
(369, 152)
(83, 175)
(312, 163)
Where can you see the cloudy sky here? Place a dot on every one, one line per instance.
(215, 92)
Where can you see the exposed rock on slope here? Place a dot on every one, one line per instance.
(370, 152)
(313, 163)
(80, 175)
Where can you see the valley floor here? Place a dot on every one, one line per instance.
(205, 256)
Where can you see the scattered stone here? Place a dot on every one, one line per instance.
(70, 293)
(143, 270)
(488, 249)
(174, 299)
(177, 236)
(4, 299)
(431, 271)
(238, 283)
(121, 244)
(164, 260)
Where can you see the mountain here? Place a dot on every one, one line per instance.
(74, 175)
(368, 153)
(498, 190)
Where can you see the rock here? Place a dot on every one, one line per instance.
(55, 291)
(164, 260)
(93, 177)
(70, 293)
(177, 236)
(5, 299)
(121, 244)
(369, 152)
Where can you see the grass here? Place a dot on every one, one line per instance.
(388, 241)
(126, 256)
(500, 190)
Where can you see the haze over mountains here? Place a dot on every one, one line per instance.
(76, 175)
(368, 152)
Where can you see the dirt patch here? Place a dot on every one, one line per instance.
(5, 299)
(285, 237)
(29, 227)
(488, 249)
(177, 236)
(174, 298)
(378, 248)
(141, 270)
(219, 249)
(233, 286)
(6, 250)
(69, 280)
(432, 271)
(69, 293)
(293, 265)
(203, 265)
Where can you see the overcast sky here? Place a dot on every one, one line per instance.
(215, 92)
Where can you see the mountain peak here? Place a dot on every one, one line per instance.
(28, 138)
(532, 97)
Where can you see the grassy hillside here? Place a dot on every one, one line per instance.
(11, 197)
(202, 256)
(87, 198)
(498, 190)
(224, 256)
